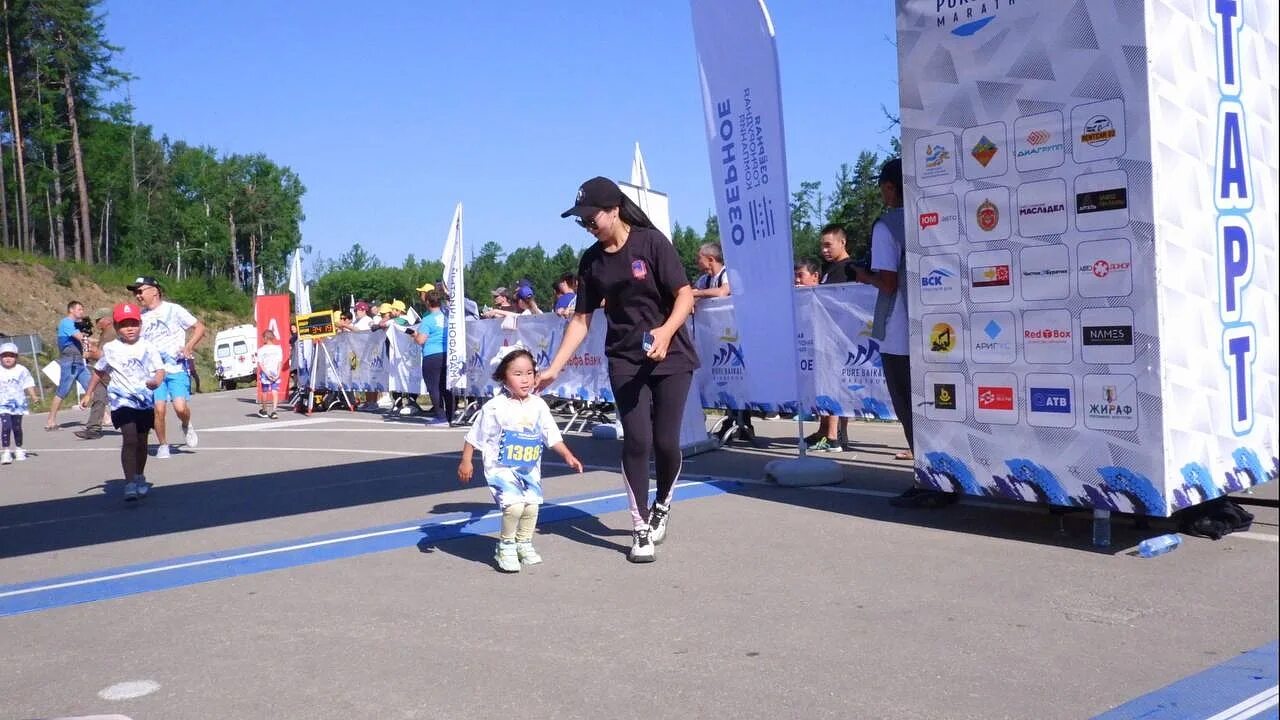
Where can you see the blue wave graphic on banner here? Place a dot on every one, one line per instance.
(1042, 482)
(942, 465)
(970, 28)
(1134, 486)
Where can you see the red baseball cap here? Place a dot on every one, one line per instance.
(126, 311)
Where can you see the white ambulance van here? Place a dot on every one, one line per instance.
(233, 355)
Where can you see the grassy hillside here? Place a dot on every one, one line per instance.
(34, 292)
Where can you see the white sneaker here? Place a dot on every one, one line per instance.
(130, 492)
(526, 553)
(6, 458)
(658, 522)
(507, 556)
(142, 485)
(162, 451)
(19, 454)
(406, 410)
(192, 438)
(641, 547)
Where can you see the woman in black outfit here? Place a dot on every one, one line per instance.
(634, 270)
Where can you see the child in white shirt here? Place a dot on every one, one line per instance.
(17, 390)
(270, 359)
(510, 431)
(132, 369)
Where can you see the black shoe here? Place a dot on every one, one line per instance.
(88, 434)
(262, 413)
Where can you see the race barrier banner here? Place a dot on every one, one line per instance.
(1092, 248)
(839, 363)
(838, 360)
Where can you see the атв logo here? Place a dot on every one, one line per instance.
(1050, 400)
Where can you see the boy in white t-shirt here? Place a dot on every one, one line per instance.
(17, 391)
(270, 359)
(132, 369)
(510, 431)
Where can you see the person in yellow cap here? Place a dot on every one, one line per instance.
(402, 403)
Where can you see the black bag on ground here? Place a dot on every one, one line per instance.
(1214, 519)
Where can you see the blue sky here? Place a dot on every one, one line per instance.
(392, 111)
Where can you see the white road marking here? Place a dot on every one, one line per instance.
(1252, 707)
(129, 690)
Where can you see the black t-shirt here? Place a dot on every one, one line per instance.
(638, 284)
(840, 271)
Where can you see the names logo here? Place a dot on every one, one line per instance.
(1102, 200)
(988, 215)
(1108, 334)
(928, 220)
(1050, 400)
(944, 396)
(942, 338)
(989, 276)
(1098, 131)
(995, 397)
(984, 150)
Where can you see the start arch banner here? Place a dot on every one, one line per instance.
(1091, 247)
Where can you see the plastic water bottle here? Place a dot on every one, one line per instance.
(1152, 547)
(1102, 528)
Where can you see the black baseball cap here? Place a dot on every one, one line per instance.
(891, 172)
(594, 195)
(143, 280)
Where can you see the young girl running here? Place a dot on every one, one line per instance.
(510, 431)
(17, 392)
(132, 369)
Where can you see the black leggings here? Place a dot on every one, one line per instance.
(134, 426)
(433, 375)
(11, 424)
(650, 408)
(897, 376)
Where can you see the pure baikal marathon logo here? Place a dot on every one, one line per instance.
(966, 17)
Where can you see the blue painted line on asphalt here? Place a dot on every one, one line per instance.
(191, 569)
(1241, 688)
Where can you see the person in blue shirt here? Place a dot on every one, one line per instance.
(566, 295)
(71, 365)
(431, 336)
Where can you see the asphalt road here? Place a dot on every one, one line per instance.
(333, 567)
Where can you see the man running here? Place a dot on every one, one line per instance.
(165, 325)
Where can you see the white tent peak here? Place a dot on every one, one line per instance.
(639, 174)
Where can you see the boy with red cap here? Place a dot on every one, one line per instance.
(132, 369)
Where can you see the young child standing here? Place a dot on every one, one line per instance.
(17, 390)
(270, 358)
(510, 431)
(132, 369)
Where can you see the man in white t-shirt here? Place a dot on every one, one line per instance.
(174, 333)
(888, 276)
